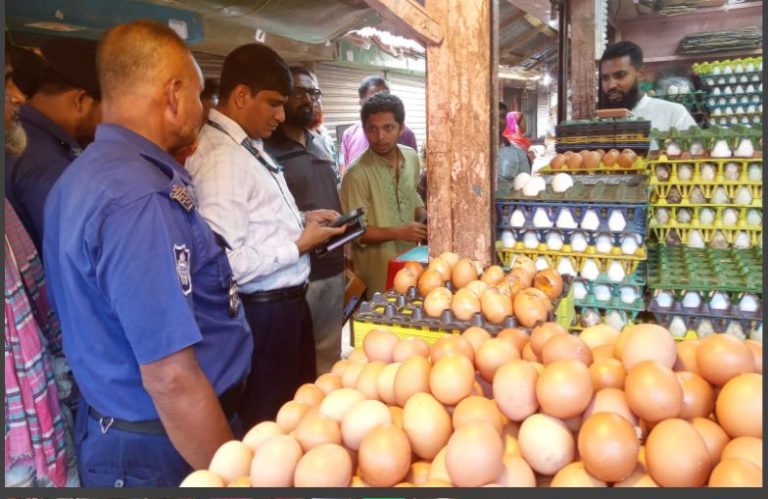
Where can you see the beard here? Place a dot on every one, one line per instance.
(15, 136)
(627, 101)
(301, 117)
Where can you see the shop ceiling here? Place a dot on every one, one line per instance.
(298, 29)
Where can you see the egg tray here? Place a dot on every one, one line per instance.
(681, 237)
(615, 303)
(635, 281)
(639, 167)
(671, 166)
(681, 269)
(566, 249)
(686, 98)
(617, 239)
(722, 121)
(707, 67)
(745, 99)
(666, 195)
(695, 223)
(553, 259)
(722, 325)
(635, 216)
(627, 316)
(588, 189)
(709, 83)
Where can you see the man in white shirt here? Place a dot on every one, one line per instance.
(244, 197)
(621, 66)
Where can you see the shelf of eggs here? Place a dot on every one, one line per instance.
(735, 90)
(700, 292)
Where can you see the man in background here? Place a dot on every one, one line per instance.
(210, 96)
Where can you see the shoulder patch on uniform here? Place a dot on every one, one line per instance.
(182, 195)
(181, 255)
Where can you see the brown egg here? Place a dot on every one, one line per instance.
(378, 344)
(739, 406)
(361, 419)
(384, 456)
(522, 267)
(757, 352)
(558, 162)
(290, 414)
(638, 478)
(653, 392)
(604, 352)
(275, 461)
(317, 429)
(451, 379)
(592, 160)
(415, 267)
(451, 345)
(368, 378)
(550, 282)
(437, 470)
(686, 356)
(531, 306)
(309, 394)
(528, 353)
(648, 342)
(599, 335)
(231, 460)
(496, 306)
(356, 356)
(336, 404)
(351, 373)
(607, 373)
(698, 397)
(412, 377)
(202, 478)
(516, 337)
(464, 272)
(429, 280)
(442, 266)
(574, 162)
(397, 415)
(575, 475)
(608, 446)
(736, 472)
(427, 425)
(564, 388)
(566, 347)
(516, 473)
(477, 408)
(721, 357)
(474, 454)
(747, 448)
(714, 437)
(385, 383)
(492, 275)
(327, 465)
(546, 444)
(476, 287)
(438, 300)
(677, 455)
(512, 284)
(450, 257)
(493, 354)
(514, 389)
(419, 472)
(465, 305)
(341, 365)
(476, 336)
(611, 157)
(611, 400)
(404, 280)
(260, 434)
(626, 160)
(408, 347)
(541, 334)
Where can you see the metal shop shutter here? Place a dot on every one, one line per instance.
(412, 91)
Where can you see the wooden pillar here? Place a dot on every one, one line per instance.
(582, 58)
(459, 138)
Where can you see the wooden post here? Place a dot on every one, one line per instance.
(459, 151)
(582, 58)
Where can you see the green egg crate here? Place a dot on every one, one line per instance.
(687, 99)
(635, 281)
(628, 317)
(744, 99)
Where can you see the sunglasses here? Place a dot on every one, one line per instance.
(313, 93)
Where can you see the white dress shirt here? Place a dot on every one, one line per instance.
(249, 206)
(663, 115)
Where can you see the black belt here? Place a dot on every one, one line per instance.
(229, 400)
(275, 294)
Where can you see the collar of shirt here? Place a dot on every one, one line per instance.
(279, 140)
(370, 156)
(644, 100)
(30, 115)
(234, 130)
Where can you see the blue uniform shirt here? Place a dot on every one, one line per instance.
(135, 276)
(49, 151)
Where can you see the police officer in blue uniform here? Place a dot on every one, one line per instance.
(60, 119)
(151, 320)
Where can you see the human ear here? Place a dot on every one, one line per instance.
(172, 94)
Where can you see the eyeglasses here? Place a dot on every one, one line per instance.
(313, 93)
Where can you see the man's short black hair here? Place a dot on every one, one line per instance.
(210, 88)
(383, 103)
(371, 81)
(624, 48)
(301, 70)
(258, 67)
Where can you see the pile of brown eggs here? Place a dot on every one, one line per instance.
(630, 409)
(590, 160)
(523, 292)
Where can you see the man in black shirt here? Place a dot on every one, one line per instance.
(311, 178)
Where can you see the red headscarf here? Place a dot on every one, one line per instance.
(512, 132)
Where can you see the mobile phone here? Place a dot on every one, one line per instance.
(349, 217)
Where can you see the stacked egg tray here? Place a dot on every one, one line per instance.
(639, 167)
(725, 284)
(735, 90)
(404, 315)
(603, 134)
(677, 205)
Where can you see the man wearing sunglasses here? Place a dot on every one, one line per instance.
(311, 179)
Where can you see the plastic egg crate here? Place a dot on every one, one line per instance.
(603, 134)
(715, 304)
(742, 65)
(574, 242)
(698, 238)
(704, 217)
(616, 318)
(638, 167)
(681, 324)
(603, 293)
(755, 120)
(615, 269)
(707, 171)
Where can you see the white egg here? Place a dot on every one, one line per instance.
(736, 330)
(629, 245)
(750, 109)
(743, 196)
(664, 299)
(579, 290)
(721, 149)
(673, 149)
(751, 88)
(755, 171)
(616, 271)
(718, 240)
(617, 222)
(562, 182)
(719, 301)
(565, 220)
(507, 239)
(517, 219)
(728, 90)
(707, 216)
(717, 112)
(677, 327)
(742, 241)
(738, 90)
(730, 216)
(520, 180)
(745, 149)
(697, 196)
(716, 71)
(739, 110)
(754, 217)
(604, 243)
(757, 334)
(616, 320)
(628, 294)
(541, 219)
(541, 263)
(705, 328)
(750, 67)
(695, 239)
(589, 318)
(534, 186)
(728, 110)
(590, 221)
(738, 68)
(716, 91)
(692, 299)
(684, 171)
(565, 267)
(554, 241)
(719, 196)
(579, 242)
(662, 216)
(672, 90)
(728, 69)
(732, 171)
(602, 292)
(684, 215)
(531, 240)
(708, 172)
(696, 149)
(749, 303)
(590, 271)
